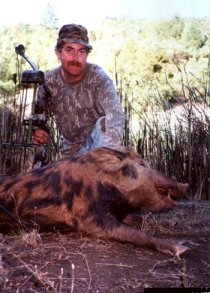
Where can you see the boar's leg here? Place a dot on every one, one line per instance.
(125, 233)
(110, 228)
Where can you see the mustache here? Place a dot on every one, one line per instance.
(74, 63)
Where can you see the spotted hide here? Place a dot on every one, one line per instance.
(92, 193)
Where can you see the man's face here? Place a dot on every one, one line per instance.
(73, 60)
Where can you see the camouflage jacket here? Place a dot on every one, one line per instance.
(77, 106)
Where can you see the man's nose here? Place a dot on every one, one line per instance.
(75, 55)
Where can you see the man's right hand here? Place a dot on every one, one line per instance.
(40, 136)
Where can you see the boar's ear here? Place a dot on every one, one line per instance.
(109, 160)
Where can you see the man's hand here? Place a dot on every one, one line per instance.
(40, 136)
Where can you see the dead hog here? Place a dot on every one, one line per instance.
(92, 193)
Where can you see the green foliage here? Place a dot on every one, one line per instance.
(39, 42)
(139, 55)
(50, 19)
(145, 58)
(193, 35)
(166, 29)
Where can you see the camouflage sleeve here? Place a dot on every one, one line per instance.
(109, 103)
(40, 104)
(44, 103)
(41, 110)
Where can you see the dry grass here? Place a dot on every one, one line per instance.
(56, 262)
(32, 238)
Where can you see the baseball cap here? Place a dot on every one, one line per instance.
(74, 33)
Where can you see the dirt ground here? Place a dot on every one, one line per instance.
(70, 262)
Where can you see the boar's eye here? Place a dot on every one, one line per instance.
(143, 163)
(130, 171)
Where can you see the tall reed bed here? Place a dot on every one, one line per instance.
(175, 140)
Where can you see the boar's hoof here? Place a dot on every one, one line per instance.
(170, 248)
(180, 249)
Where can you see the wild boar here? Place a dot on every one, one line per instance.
(92, 193)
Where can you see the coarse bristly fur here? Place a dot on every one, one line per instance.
(92, 193)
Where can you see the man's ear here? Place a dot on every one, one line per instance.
(58, 53)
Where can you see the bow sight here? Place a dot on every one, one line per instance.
(29, 76)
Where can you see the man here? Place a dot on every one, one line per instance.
(81, 96)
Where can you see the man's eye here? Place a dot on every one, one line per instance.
(68, 50)
(82, 52)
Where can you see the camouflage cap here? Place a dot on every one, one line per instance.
(73, 33)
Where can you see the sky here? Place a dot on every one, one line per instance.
(92, 12)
